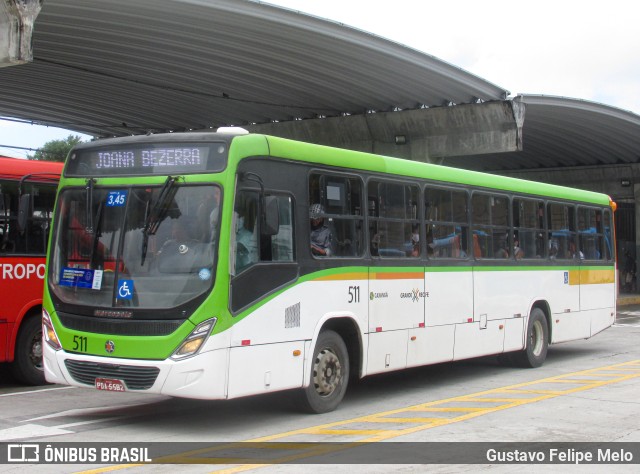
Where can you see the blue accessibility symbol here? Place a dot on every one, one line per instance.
(125, 289)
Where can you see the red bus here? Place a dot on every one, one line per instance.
(27, 196)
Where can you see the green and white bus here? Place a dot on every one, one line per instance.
(186, 264)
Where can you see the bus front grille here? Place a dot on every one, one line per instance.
(134, 377)
(118, 327)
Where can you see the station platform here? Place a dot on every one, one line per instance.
(628, 299)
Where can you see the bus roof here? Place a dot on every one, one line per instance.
(320, 154)
(16, 168)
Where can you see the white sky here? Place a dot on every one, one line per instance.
(584, 49)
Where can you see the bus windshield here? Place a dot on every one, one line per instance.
(138, 247)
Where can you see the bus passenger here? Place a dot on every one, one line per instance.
(502, 250)
(415, 240)
(320, 233)
(574, 253)
(518, 253)
(553, 248)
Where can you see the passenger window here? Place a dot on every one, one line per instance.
(33, 238)
(562, 236)
(490, 218)
(608, 238)
(447, 222)
(528, 229)
(336, 218)
(394, 228)
(590, 229)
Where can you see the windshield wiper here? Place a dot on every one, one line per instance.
(96, 236)
(154, 217)
(89, 207)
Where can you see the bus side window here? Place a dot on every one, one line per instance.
(337, 203)
(491, 225)
(245, 230)
(446, 216)
(528, 229)
(395, 230)
(282, 243)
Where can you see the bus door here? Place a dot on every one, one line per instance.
(448, 277)
(396, 278)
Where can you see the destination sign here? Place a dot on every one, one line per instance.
(150, 158)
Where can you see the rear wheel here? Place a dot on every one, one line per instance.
(27, 365)
(535, 352)
(329, 374)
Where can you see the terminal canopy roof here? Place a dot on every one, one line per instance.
(117, 67)
(121, 67)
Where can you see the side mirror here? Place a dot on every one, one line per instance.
(24, 211)
(271, 217)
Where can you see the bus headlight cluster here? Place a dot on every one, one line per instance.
(193, 342)
(48, 333)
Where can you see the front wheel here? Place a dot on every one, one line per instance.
(535, 352)
(329, 375)
(27, 364)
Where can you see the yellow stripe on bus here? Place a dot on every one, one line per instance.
(397, 276)
(591, 277)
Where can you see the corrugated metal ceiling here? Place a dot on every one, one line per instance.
(119, 67)
(115, 67)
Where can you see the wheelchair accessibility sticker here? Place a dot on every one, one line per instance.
(125, 289)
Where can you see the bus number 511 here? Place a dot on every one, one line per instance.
(80, 343)
(354, 294)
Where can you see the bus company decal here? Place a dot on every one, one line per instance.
(109, 346)
(378, 295)
(415, 294)
(21, 271)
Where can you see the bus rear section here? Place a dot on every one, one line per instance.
(27, 196)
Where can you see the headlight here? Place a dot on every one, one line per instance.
(48, 333)
(193, 342)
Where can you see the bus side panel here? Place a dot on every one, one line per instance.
(601, 319)
(568, 323)
(597, 296)
(271, 367)
(504, 294)
(387, 351)
(21, 281)
(597, 288)
(478, 338)
(430, 345)
(395, 300)
(570, 326)
(5, 329)
(449, 297)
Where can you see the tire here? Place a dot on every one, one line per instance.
(537, 339)
(329, 375)
(27, 366)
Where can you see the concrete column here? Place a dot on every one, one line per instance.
(16, 29)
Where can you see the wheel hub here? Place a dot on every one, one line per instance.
(327, 372)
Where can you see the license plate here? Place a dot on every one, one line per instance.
(111, 385)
